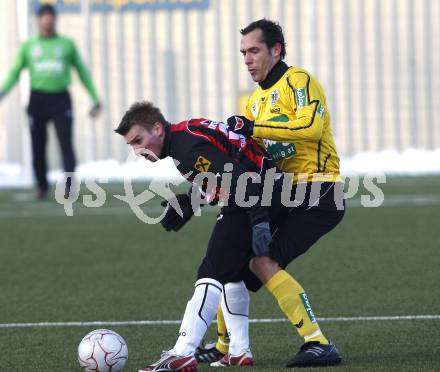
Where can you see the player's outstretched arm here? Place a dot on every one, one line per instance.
(14, 73)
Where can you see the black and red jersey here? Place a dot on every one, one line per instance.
(201, 146)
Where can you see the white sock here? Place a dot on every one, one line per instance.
(200, 312)
(235, 306)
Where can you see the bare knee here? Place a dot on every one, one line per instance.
(264, 267)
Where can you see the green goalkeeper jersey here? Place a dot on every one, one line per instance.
(49, 61)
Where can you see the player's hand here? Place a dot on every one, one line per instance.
(261, 239)
(241, 125)
(172, 220)
(95, 110)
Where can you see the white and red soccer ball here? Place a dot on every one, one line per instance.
(102, 350)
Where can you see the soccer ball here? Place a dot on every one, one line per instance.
(102, 350)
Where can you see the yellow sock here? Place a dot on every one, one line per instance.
(222, 344)
(294, 303)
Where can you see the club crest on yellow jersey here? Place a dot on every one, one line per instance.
(274, 96)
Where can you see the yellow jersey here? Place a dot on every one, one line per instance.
(292, 121)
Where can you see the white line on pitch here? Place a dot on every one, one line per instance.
(38, 209)
(167, 322)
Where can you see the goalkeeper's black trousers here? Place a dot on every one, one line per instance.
(43, 108)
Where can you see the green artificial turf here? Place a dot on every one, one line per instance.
(103, 264)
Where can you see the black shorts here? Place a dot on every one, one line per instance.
(294, 229)
(229, 248)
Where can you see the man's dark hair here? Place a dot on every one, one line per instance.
(143, 113)
(46, 9)
(272, 33)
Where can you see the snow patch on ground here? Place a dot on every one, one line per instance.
(391, 162)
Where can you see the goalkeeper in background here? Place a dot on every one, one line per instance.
(287, 113)
(49, 58)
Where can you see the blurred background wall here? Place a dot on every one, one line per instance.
(378, 61)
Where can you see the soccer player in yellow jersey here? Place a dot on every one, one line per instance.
(288, 113)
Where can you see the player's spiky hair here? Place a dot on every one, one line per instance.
(142, 113)
(272, 33)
